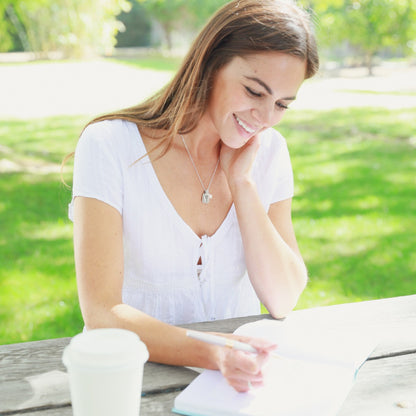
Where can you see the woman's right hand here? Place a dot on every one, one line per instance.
(243, 370)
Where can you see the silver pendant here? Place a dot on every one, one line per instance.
(206, 197)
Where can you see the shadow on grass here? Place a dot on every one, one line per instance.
(37, 277)
(355, 206)
(45, 139)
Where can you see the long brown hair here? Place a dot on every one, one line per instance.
(239, 28)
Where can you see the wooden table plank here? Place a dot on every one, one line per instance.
(56, 411)
(381, 385)
(31, 358)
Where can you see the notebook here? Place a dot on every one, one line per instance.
(313, 377)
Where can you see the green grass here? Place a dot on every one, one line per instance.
(355, 209)
(354, 214)
(37, 289)
(374, 92)
(40, 141)
(156, 62)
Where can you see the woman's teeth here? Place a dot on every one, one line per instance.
(244, 126)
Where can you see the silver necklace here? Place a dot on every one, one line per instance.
(206, 196)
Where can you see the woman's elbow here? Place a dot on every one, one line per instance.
(286, 300)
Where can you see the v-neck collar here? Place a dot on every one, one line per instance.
(171, 210)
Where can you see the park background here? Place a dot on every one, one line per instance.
(351, 135)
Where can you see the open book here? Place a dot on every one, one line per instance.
(313, 377)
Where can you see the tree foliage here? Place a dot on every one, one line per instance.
(370, 26)
(138, 27)
(75, 27)
(182, 15)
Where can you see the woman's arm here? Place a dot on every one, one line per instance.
(274, 263)
(98, 246)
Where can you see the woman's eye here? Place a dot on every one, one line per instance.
(253, 93)
(282, 106)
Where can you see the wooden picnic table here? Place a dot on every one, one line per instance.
(33, 380)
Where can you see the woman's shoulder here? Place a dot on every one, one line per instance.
(116, 140)
(114, 135)
(107, 129)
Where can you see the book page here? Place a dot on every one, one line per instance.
(313, 342)
(312, 379)
(291, 388)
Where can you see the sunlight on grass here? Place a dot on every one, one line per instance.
(47, 231)
(354, 210)
(45, 140)
(155, 63)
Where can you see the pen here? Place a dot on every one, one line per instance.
(224, 342)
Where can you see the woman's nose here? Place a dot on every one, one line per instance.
(267, 115)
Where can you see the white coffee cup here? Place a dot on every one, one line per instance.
(105, 368)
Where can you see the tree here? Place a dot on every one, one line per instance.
(180, 15)
(75, 27)
(368, 25)
(6, 28)
(138, 28)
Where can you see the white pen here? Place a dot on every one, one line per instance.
(224, 342)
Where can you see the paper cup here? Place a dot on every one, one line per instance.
(105, 368)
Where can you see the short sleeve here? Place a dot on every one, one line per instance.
(97, 169)
(273, 170)
(284, 185)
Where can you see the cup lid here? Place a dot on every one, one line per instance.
(106, 347)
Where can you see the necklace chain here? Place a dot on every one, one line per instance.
(206, 196)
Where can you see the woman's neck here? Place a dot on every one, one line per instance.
(203, 142)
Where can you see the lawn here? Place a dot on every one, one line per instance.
(355, 209)
(354, 214)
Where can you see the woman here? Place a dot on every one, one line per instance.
(182, 205)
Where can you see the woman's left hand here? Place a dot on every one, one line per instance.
(237, 163)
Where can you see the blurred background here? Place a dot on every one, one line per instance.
(351, 135)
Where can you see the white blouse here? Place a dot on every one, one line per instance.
(161, 273)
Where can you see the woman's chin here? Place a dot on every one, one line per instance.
(235, 142)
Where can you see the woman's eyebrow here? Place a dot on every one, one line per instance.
(262, 83)
(267, 88)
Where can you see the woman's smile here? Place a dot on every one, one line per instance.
(244, 127)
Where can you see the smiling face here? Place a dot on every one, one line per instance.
(251, 94)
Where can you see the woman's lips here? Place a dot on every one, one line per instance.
(244, 126)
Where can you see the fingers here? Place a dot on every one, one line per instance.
(238, 162)
(254, 141)
(244, 370)
(261, 345)
(243, 387)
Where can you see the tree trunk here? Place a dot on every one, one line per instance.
(20, 30)
(168, 35)
(370, 63)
